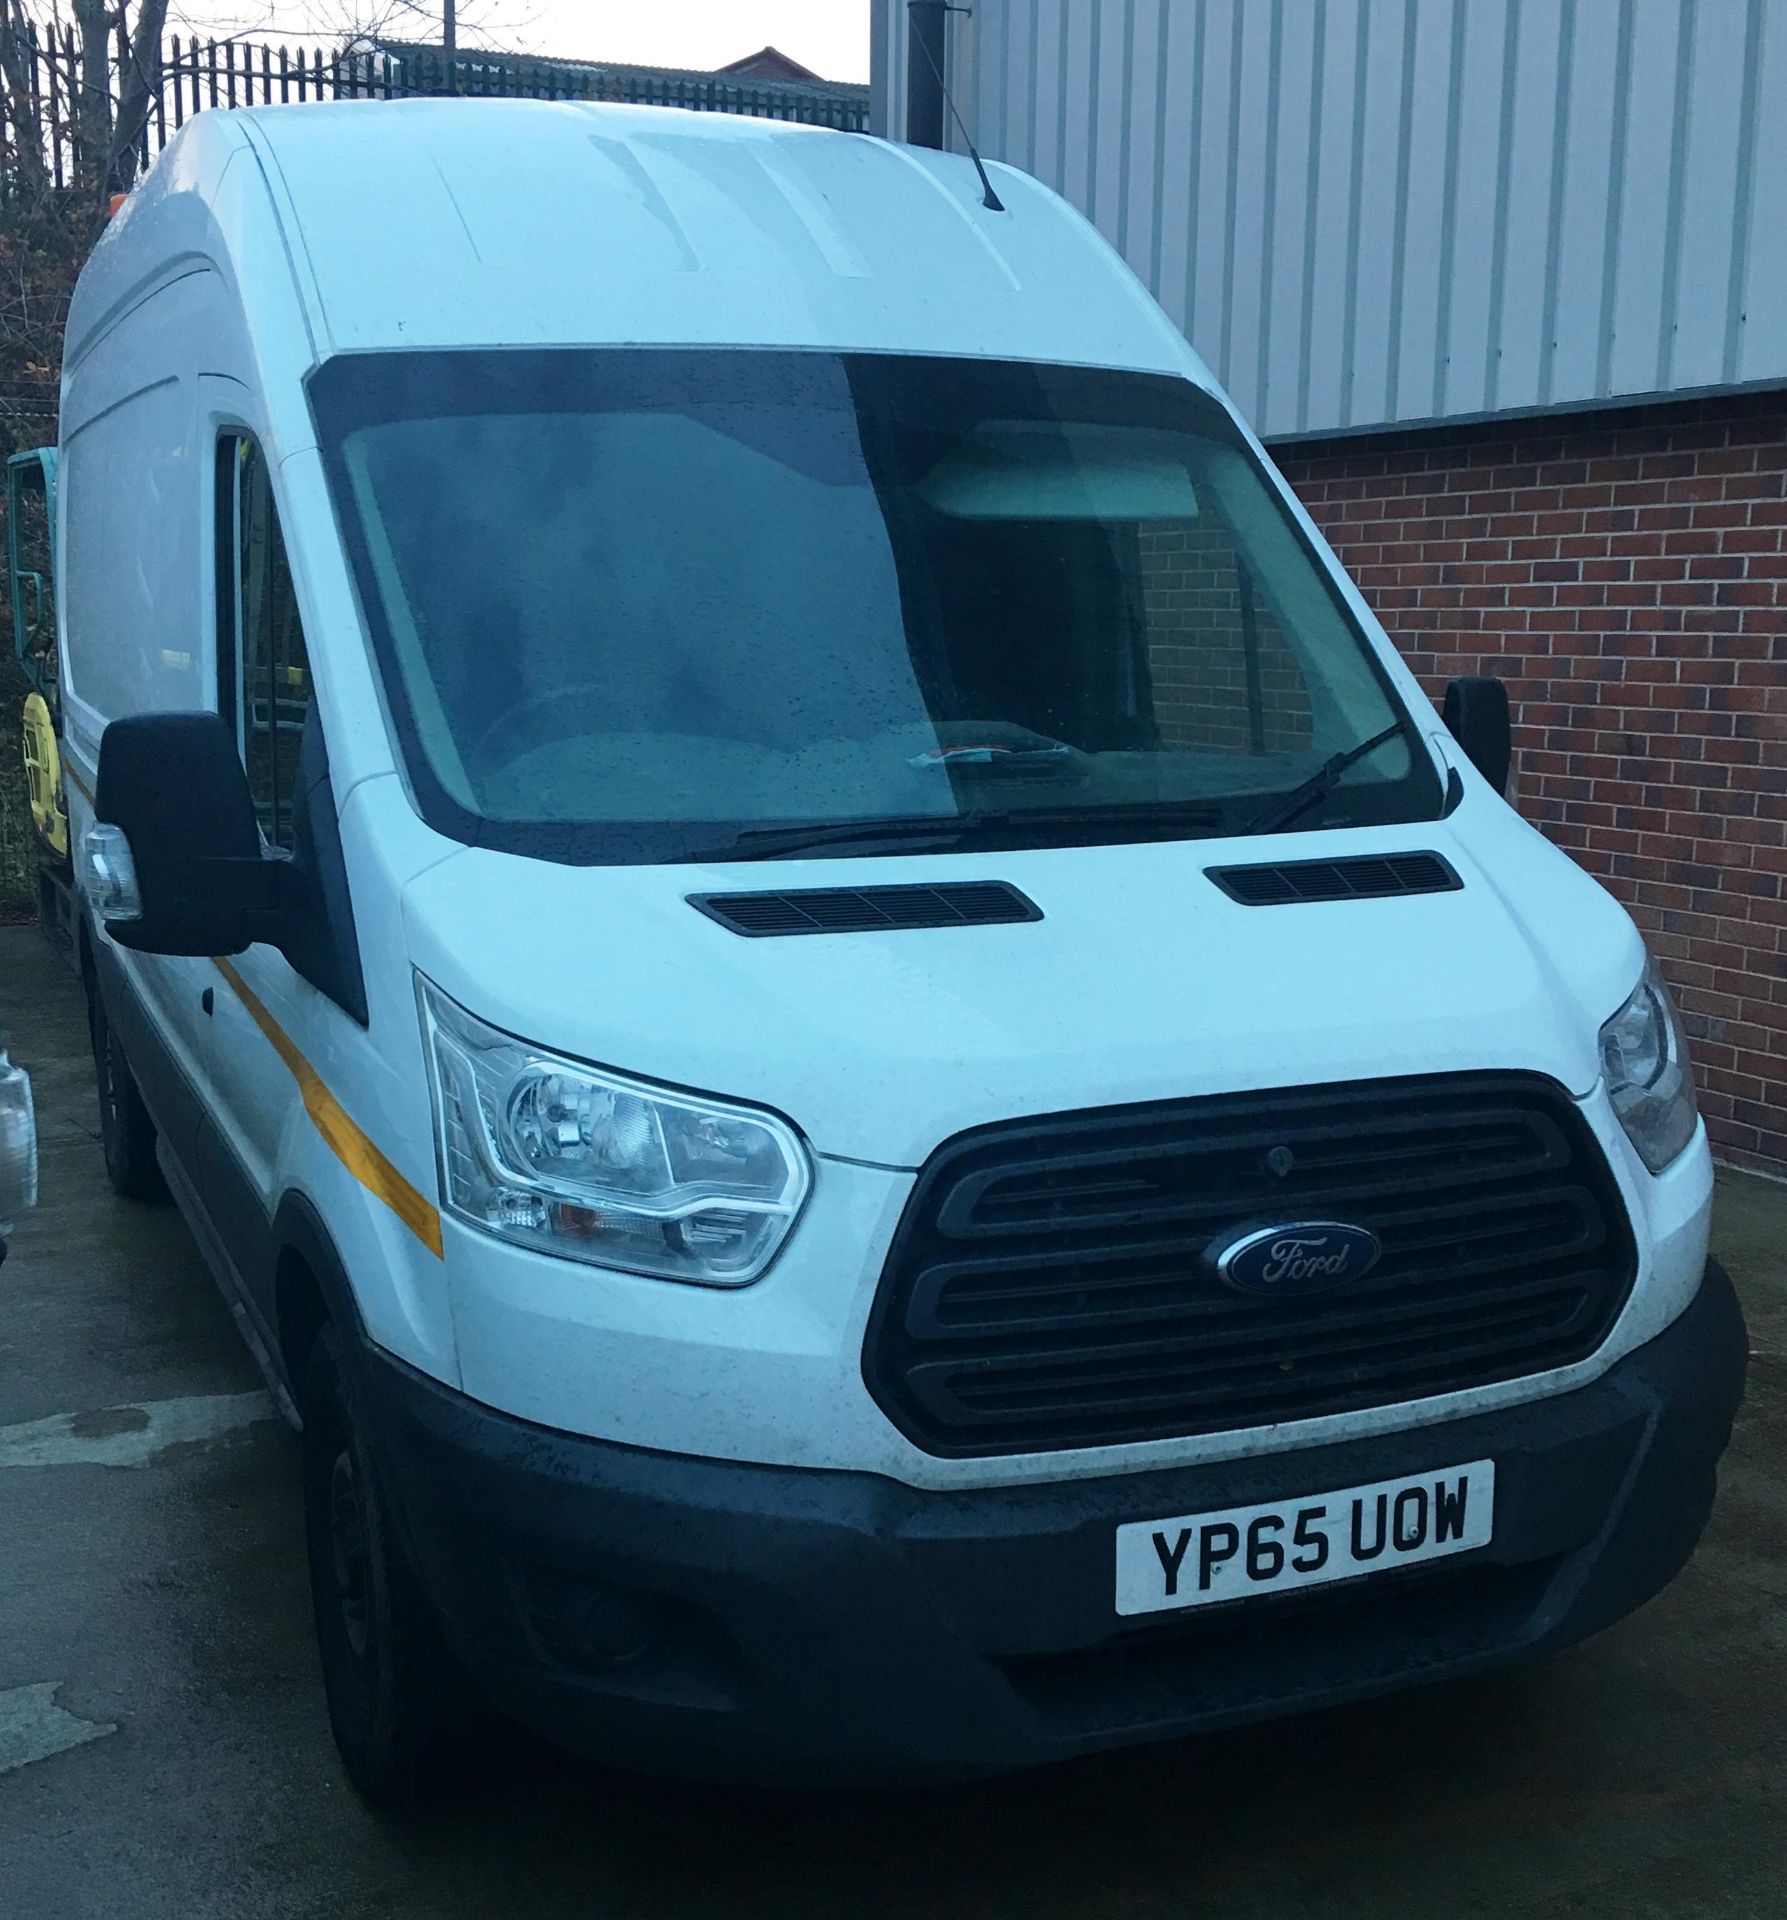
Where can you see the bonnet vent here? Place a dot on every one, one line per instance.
(1369, 877)
(974, 903)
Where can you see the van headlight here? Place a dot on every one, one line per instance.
(585, 1164)
(1644, 1059)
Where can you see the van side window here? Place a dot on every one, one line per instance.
(263, 667)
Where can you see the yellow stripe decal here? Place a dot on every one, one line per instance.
(344, 1139)
(74, 780)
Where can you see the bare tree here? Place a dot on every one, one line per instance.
(138, 88)
(485, 23)
(93, 108)
(31, 172)
(112, 82)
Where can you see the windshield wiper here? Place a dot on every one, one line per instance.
(1282, 811)
(771, 843)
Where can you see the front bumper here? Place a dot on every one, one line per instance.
(732, 1621)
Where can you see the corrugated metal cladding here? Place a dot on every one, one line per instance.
(1375, 211)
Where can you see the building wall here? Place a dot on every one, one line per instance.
(1373, 211)
(1201, 615)
(1626, 572)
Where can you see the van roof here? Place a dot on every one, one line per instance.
(529, 223)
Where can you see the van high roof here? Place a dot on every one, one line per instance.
(445, 223)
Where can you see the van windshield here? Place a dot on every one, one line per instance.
(633, 604)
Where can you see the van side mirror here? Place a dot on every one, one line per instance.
(173, 783)
(1476, 716)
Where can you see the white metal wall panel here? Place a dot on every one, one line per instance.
(1054, 81)
(1075, 145)
(1473, 290)
(1542, 37)
(1148, 70)
(1206, 307)
(887, 68)
(1325, 332)
(1587, 208)
(1253, 210)
(1286, 293)
(1426, 222)
(1694, 331)
(1376, 262)
(1756, 334)
(1173, 257)
(1112, 123)
(1376, 211)
(1642, 280)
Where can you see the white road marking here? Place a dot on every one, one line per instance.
(128, 1436)
(32, 1726)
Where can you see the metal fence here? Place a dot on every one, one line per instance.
(195, 74)
(27, 407)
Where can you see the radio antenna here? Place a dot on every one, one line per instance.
(988, 198)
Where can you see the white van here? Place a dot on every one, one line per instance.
(888, 1102)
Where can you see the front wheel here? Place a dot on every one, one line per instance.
(401, 1711)
(126, 1133)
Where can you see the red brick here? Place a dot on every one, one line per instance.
(1628, 575)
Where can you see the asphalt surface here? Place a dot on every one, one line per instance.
(164, 1756)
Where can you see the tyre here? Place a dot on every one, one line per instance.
(402, 1713)
(126, 1133)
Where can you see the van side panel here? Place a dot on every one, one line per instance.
(135, 640)
(186, 326)
(135, 633)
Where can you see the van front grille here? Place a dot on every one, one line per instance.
(1048, 1286)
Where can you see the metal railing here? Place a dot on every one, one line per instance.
(44, 74)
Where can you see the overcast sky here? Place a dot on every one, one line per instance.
(830, 36)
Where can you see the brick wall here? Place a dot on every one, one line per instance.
(1192, 593)
(1626, 572)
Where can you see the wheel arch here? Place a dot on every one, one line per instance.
(310, 1287)
(83, 954)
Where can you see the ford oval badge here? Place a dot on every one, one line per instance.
(1299, 1257)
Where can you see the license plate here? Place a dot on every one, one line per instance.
(1201, 1559)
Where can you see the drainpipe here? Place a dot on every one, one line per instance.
(926, 24)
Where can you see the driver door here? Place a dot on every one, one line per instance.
(264, 688)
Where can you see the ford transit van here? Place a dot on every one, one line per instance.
(883, 1095)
